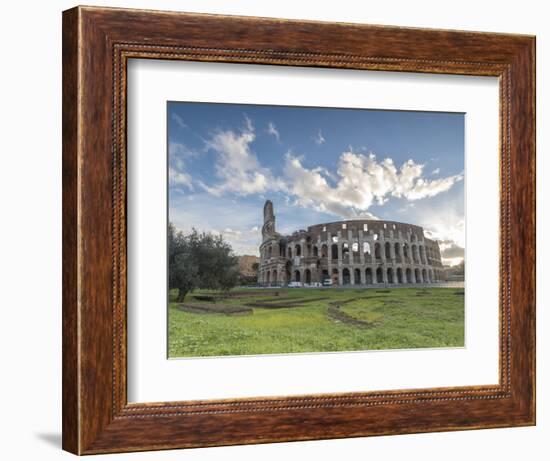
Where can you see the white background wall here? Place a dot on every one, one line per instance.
(30, 227)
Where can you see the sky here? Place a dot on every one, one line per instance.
(316, 165)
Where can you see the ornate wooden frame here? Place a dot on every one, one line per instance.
(97, 43)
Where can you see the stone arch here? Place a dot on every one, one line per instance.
(335, 275)
(379, 275)
(345, 251)
(399, 274)
(289, 251)
(357, 276)
(268, 277)
(346, 276)
(288, 269)
(368, 276)
(408, 274)
(315, 251)
(324, 251)
(334, 251)
(325, 275)
(298, 249)
(274, 279)
(387, 251)
(417, 275)
(366, 248)
(307, 276)
(397, 250)
(389, 274)
(297, 276)
(377, 254)
(269, 252)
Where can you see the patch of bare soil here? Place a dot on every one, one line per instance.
(214, 309)
(335, 314)
(294, 302)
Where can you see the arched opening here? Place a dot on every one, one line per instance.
(324, 251)
(417, 276)
(269, 252)
(274, 277)
(346, 278)
(289, 252)
(315, 251)
(355, 251)
(357, 276)
(399, 273)
(297, 276)
(425, 276)
(308, 276)
(408, 274)
(335, 280)
(379, 275)
(390, 275)
(377, 251)
(324, 275)
(345, 251)
(397, 250)
(298, 250)
(388, 250)
(288, 267)
(368, 276)
(366, 248)
(268, 278)
(334, 251)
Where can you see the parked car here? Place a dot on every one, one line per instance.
(327, 282)
(295, 285)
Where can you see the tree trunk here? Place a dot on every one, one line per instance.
(181, 295)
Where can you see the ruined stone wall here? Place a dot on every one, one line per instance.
(358, 252)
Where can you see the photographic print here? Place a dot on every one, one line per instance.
(313, 229)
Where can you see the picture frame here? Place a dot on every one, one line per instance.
(97, 44)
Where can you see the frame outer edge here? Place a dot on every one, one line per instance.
(90, 423)
(70, 190)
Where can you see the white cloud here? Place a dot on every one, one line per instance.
(180, 178)
(272, 130)
(436, 172)
(361, 182)
(178, 120)
(319, 138)
(177, 176)
(236, 165)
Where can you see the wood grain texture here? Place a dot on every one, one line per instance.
(97, 43)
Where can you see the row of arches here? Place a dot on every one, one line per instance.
(353, 276)
(399, 251)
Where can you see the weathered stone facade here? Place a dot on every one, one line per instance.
(354, 252)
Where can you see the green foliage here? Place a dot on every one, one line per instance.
(200, 260)
(400, 320)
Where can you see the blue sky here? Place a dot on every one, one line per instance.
(316, 165)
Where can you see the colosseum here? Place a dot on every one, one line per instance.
(353, 252)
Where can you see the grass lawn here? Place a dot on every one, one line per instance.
(345, 320)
